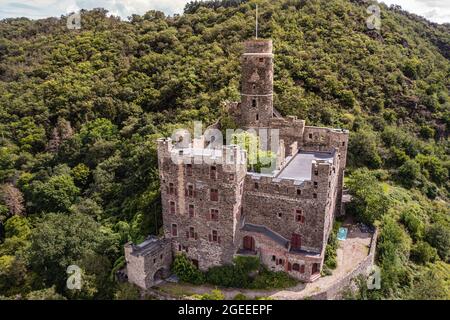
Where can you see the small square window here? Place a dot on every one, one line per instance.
(316, 184)
(299, 192)
(261, 59)
(315, 195)
(279, 215)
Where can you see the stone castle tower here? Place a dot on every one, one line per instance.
(257, 84)
(214, 208)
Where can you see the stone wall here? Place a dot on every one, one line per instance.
(277, 257)
(335, 291)
(201, 226)
(143, 266)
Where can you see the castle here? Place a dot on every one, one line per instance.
(214, 208)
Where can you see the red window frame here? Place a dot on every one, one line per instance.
(214, 195)
(214, 215)
(172, 207)
(191, 210)
(174, 230)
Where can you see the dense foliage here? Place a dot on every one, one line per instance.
(80, 111)
(245, 273)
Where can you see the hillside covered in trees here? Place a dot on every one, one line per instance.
(80, 111)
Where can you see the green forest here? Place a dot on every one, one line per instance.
(80, 112)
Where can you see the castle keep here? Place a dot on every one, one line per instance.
(214, 208)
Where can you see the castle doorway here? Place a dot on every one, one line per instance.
(315, 268)
(249, 243)
(159, 275)
(195, 263)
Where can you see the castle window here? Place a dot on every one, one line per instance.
(310, 136)
(299, 192)
(299, 217)
(316, 172)
(154, 261)
(274, 258)
(343, 144)
(191, 210)
(296, 241)
(261, 59)
(279, 215)
(302, 268)
(173, 207)
(254, 86)
(214, 195)
(214, 215)
(329, 184)
(296, 267)
(189, 170)
(214, 236)
(161, 257)
(315, 195)
(191, 233)
(316, 184)
(254, 103)
(213, 173)
(190, 191)
(280, 262)
(174, 230)
(179, 247)
(257, 117)
(231, 177)
(171, 188)
(256, 186)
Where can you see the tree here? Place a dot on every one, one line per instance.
(13, 199)
(369, 202)
(439, 237)
(363, 149)
(186, 271)
(60, 240)
(409, 173)
(45, 294)
(422, 253)
(56, 194)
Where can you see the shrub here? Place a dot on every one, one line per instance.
(274, 280)
(422, 252)
(228, 276)
(186, 271)
(409, 173)
(214, 295)
(240, 296)
(439, 237)
(413, 223)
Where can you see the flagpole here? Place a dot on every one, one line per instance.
(257, 21)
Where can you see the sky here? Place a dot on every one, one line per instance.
(434, 10)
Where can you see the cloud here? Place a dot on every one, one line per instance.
(35, 9)
(434, 10)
